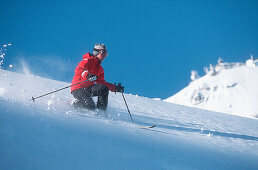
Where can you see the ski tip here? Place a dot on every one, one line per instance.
(147, 127)
(152, 126)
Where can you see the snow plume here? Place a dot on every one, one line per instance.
(24, 67)
(3, 50)
(49, 66)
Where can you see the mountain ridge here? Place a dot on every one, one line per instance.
(226, 87)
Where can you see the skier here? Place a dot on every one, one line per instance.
(90, 69)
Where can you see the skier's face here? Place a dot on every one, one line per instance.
(102, 55)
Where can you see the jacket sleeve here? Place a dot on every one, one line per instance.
(101, 80)
(87, 67)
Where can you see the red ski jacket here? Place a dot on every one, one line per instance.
(90, 65)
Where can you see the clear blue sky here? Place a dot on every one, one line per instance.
(152, 45)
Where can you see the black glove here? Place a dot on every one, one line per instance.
(119, 88)
(91, 77)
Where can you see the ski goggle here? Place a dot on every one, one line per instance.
(102, 51)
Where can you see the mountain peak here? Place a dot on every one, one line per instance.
(226, 87)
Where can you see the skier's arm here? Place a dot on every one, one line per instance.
(101, 80)
(87, 69)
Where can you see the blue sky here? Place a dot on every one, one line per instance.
(152, 45)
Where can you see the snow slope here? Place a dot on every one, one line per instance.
(49, 134)
(232, 89)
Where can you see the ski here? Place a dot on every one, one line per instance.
(146, 127)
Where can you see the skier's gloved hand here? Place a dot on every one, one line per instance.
(91, 77)
(119, 88)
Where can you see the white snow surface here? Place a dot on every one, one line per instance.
(50, 134)
(233, 90)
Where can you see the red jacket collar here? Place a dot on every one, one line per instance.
(87, 56)
(90, 56)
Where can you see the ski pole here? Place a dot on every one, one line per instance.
(90, 79)
(127, 107)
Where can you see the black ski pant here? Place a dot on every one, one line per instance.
(84, 97)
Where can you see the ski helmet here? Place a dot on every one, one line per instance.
(98, 48)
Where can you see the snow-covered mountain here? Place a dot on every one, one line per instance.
(227, 87)
(50, 134)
